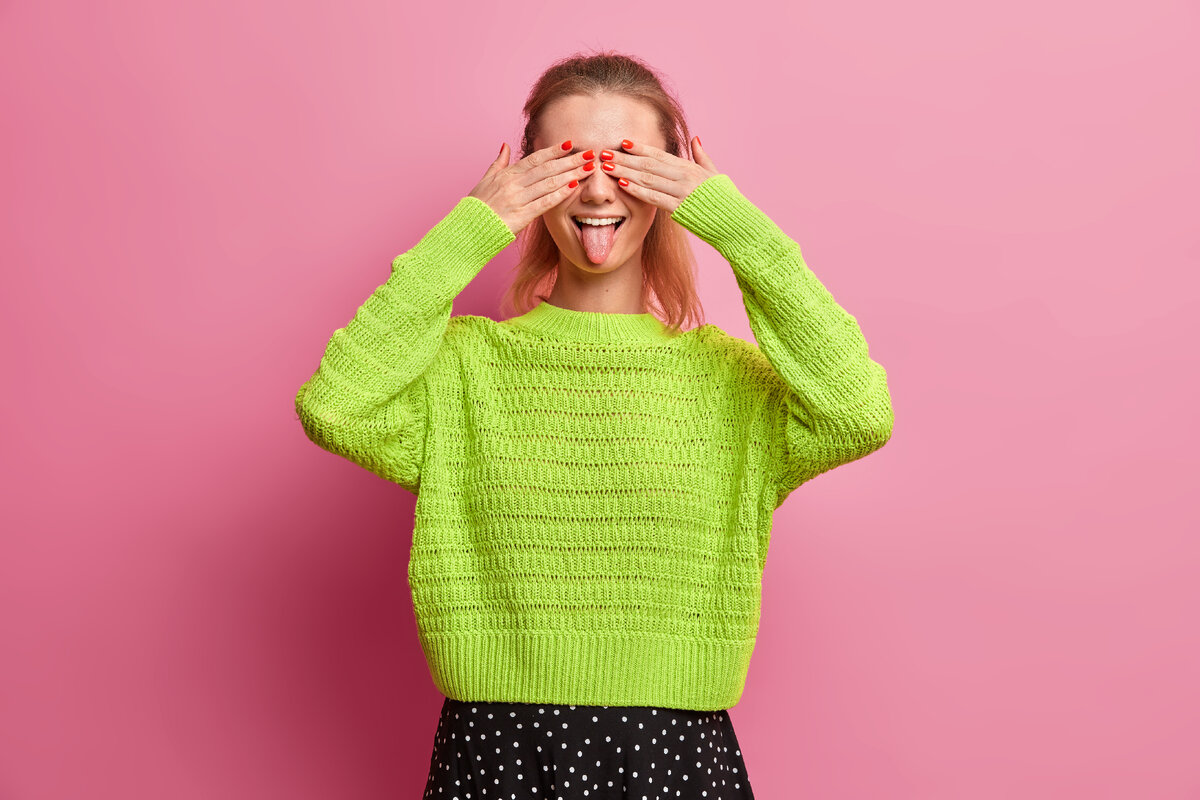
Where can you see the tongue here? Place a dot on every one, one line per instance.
(598, 241)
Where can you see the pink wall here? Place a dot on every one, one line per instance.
(196, 602)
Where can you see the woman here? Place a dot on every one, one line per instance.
(595, 486)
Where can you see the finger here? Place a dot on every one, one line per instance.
(540, 205)
(652, 196)
(539, 157)
(501, 160)
(557, 183)
(701, 156)
(648, 153)
(664, 182)
(648, 159)
(568, 162)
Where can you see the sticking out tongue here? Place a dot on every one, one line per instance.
(598, 241)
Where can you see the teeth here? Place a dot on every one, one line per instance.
(598, 221)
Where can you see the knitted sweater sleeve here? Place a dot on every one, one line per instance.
(367, 400)
(833, 402)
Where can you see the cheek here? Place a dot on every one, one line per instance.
(645, 222)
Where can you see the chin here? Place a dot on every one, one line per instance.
(610, 264)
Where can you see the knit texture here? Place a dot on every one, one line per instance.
(595, 494)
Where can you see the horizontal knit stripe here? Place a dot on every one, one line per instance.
(606, 670)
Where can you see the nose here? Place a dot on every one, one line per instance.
(600, 187)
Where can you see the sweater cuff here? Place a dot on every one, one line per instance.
(722, 216)
(454, 250)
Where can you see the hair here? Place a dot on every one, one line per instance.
(668, 264)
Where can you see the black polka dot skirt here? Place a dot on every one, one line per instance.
(518, 751)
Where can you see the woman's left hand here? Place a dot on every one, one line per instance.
(655, 176)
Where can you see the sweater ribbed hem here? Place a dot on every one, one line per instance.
(592, 669)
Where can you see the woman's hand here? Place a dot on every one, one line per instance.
(657, 177)
(520, 193)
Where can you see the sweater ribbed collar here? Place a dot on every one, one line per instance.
(592, 326)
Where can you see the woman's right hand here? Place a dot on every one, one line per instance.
(520, 193)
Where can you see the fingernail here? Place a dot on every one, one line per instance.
(501, 150)
(566, 145)
(572, 184)
(606, 155)
(622, 181)
(699, 142)
(589, 166)
(608, 165)
(589, 155)
(626, 144)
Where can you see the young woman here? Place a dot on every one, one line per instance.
(595, 485)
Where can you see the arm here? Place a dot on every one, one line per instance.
(834, 406)
(366, 401)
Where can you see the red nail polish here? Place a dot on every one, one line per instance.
(588, 167)
(608, 165)
(606, 155)
(589, 155)
(566, 145)
(699, 142)
(572, 184)
(622, 181)
(628, 145)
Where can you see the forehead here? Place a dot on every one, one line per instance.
(600, 121)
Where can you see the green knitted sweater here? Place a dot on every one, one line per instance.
(594, 493)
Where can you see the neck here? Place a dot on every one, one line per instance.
(617, 290)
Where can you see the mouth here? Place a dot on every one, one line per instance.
(579, 225)
(599, 244)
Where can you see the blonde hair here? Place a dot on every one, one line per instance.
(668, 264)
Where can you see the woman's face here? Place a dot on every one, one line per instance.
(599, 123)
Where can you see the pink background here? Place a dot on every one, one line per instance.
(197, 602)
